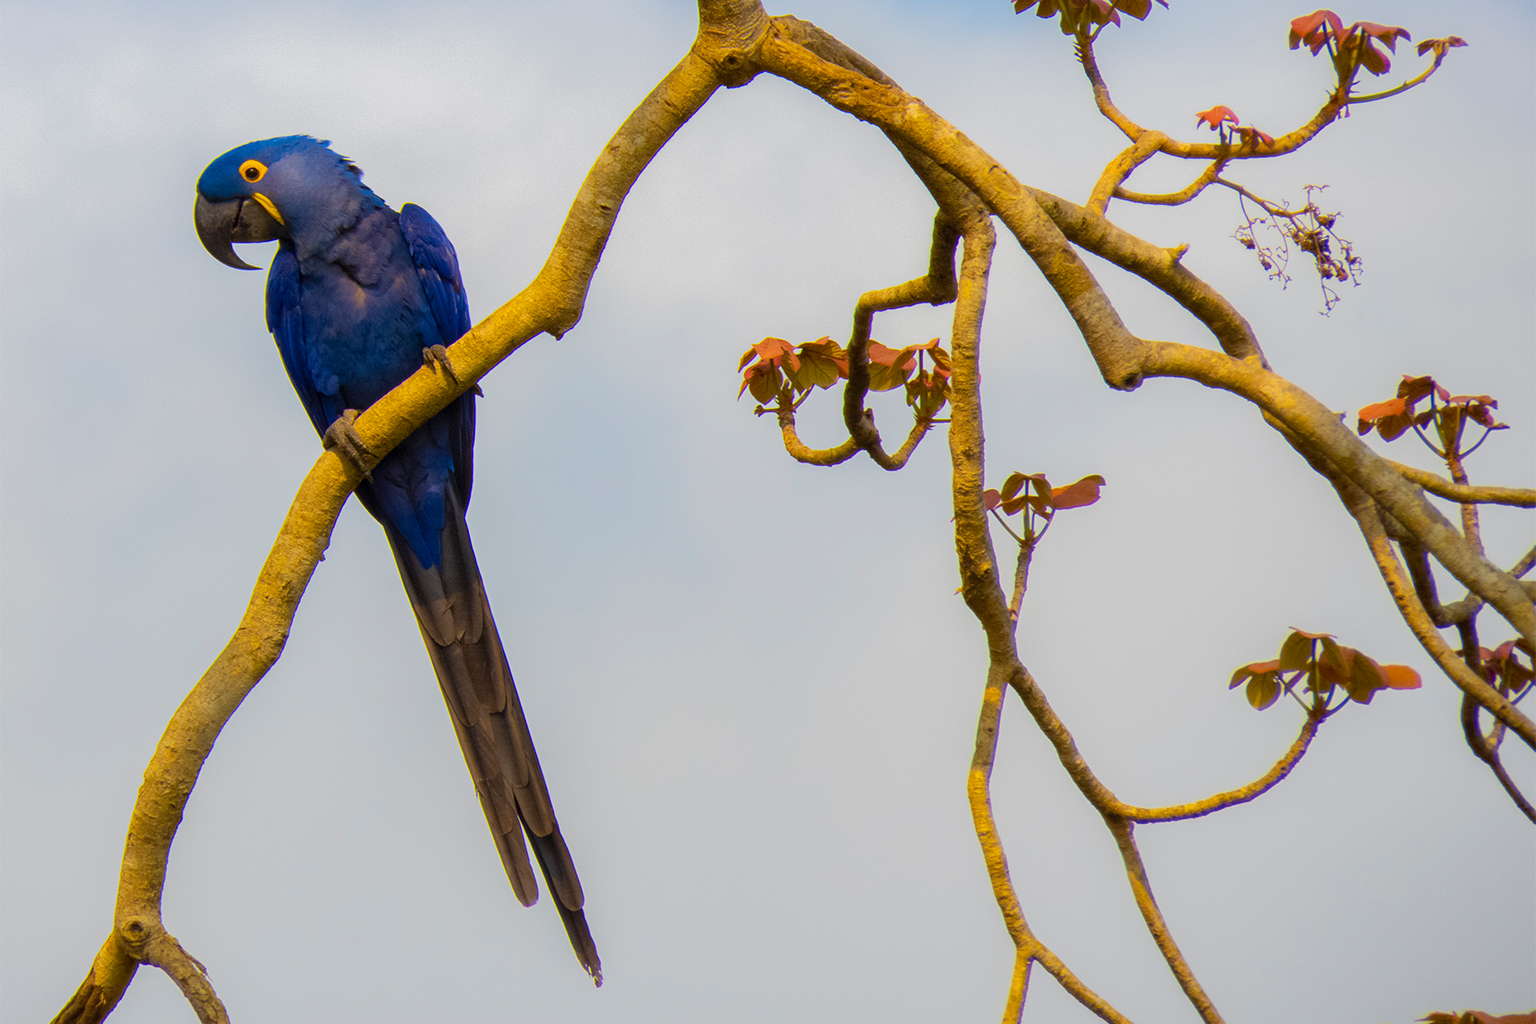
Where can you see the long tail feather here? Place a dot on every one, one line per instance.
(460, 634)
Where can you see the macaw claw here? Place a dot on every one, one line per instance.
(436, 357)
(343, 439)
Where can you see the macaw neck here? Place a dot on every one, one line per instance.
(319, 218)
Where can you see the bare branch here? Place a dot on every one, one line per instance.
(980, 585)
(1487, 753)
(1136, 871)
(1210, 175)
(1255, 789)
(1121, 168)
(1521, 497)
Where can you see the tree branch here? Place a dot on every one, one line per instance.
(1255, 789)
(1521, 497)
(1141, 887)
(980, 585)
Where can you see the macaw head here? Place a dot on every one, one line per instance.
(268, 190)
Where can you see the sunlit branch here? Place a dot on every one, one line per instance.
(811, 456)
(1223, 151)
(937, 287)
(1121, 167)
(1257, 788)
(1141, 887)
(980, 585)
(1311, 424)
(1372, 97)
(1418, 620)
(1132, 130)
(1179, 198)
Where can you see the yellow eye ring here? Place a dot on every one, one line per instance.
(253, 170)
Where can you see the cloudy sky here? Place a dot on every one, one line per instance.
(753, 689)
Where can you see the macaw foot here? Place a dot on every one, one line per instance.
(437, 357)
(343, 439)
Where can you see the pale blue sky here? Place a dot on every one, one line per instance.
(753, 689)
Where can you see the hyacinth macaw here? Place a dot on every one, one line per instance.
(357, 296)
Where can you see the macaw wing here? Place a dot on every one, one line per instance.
(285, 319)
(437, 267)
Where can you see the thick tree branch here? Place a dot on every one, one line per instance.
(1306, 418)
(1372, 527)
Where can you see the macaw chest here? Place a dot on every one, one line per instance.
(362, 337)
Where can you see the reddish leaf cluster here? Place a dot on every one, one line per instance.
(1079, 14)
(1351, 47)
(1479, 1017)
(773, 368)
(1323, 664)
(1392, 418)
(1216, 117)
(928, 389)
(1503, 668)
(766, 377)
(1043, 499)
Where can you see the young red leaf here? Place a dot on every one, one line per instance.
(1391, 418)
(1251, 670)
(1415, 388)
(1013, 485)
(1263, 690)
(1040, 500)
(1315, 28)
(1440, 45)
(1252, 137)
(1388, 34)
(828, 349)
(1333, 666)
(1372, 59)
(772, 349)
(1365, 676)
(817, 368)
(764, 380)
(990, 499)
(1012, 505)
(1400, 677)
(886, 371)
(1084, 492)
(1296, 652)
(1215, 117)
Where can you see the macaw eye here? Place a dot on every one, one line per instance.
(252, 170)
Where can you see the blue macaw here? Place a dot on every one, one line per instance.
(357, 297)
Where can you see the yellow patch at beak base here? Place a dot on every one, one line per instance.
(269, 206)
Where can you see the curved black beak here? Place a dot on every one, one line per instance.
(233, 220)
